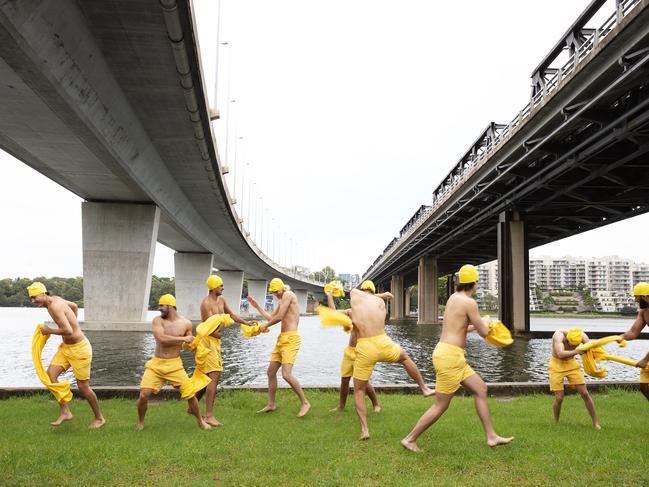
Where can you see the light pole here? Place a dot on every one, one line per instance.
(260, 240)
(216, 70)
(234, 168)
(250, 186)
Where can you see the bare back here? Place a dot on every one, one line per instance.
(368, 313)
(61, 312)
(460, 312)
(178, 327)
(292, 317)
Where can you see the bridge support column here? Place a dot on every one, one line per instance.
(257, 289)
(427, 300)
(118, 249)
(192, 271)
(302, 296)
(232, 288)
(396, 305)
(513, 275)
(406, 301)
(450, 284)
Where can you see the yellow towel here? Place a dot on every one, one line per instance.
(252, 330)
(331, 317)
(499, 335)
(199, 345)
(595, 354)
(60, 390)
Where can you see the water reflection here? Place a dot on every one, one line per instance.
(119, 357)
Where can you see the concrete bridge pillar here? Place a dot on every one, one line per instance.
(450, 285)
(427, 301)
(118, 249)
(232, 288)
(302, 296)
(513, 275)
(257, 289)
(192, 271)
(396, 305)
(406, 300)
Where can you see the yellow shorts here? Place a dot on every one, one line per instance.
(213, 361)
(286, 347)
(451, 368)
(349, 357)
(78, 356)
(644, 376)
(559, 369)
(159, 371)
(371, 350)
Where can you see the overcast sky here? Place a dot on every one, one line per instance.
(347, 116)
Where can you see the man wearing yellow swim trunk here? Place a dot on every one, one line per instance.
(562, 365)
(287, 346)
(214, 303)
(461, 316)
(75, 350)
(347, 366)
(641, 295)
(373, 345)
(170, 331)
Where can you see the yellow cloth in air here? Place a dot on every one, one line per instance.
(60, 390)
(451, 368)
(349, 357)
(335, 288)
(78, 356)
(159, 371)
(208, 348)
(331, 317)
(286, 347)
(595, 354)
(252, 330)
(499, 335)
(560, 369)
(371, 350)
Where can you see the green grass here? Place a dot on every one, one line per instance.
(322, 449)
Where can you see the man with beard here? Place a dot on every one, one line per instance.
(641, 295)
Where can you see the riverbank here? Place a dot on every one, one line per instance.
(322, 449)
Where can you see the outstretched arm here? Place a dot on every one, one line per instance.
(386, 296)
(480, 324)
(234, 316)
(280, 312)
(255, 305)
(637, 326)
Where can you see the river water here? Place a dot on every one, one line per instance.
(119, 357)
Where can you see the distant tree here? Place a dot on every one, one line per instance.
(160, 286)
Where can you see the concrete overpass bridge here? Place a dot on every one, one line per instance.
(573, 159)
(106, 97)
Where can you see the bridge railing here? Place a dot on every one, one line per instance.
(464, 170)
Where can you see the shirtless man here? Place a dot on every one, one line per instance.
(349, 357)
(170, 331)
(460, 317)
(287, 346)
(374, 346)
(214, 303)
(75, 350)
(641, 295)
(563, 365)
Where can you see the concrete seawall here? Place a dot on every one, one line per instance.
(499, 389)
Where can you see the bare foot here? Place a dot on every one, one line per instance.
(267, 409)
(365, 435)
(304, 409)
(97, 423)
(499, 440)
(62, 419)
(410, 445)
(140, 427)
(212, 421)
(427, 391)
(337, 409)
(597, 426)
(377, 408)
(204, 426)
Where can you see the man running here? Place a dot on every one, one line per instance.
(563, 365)
(75, 351)
(214, 303)
(461, 316)
(374, 346)
(641, 295)
(287, 346)
(170, 331)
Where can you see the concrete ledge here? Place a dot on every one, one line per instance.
(496, 389)
(113, 326)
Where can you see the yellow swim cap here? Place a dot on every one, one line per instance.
(213, 282)
(36, 288)
(468, 273)
(574, 336)
(640, 289)
(167, 300)
(276, 285)
(369, 285)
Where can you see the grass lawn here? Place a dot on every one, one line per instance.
(322, 449)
